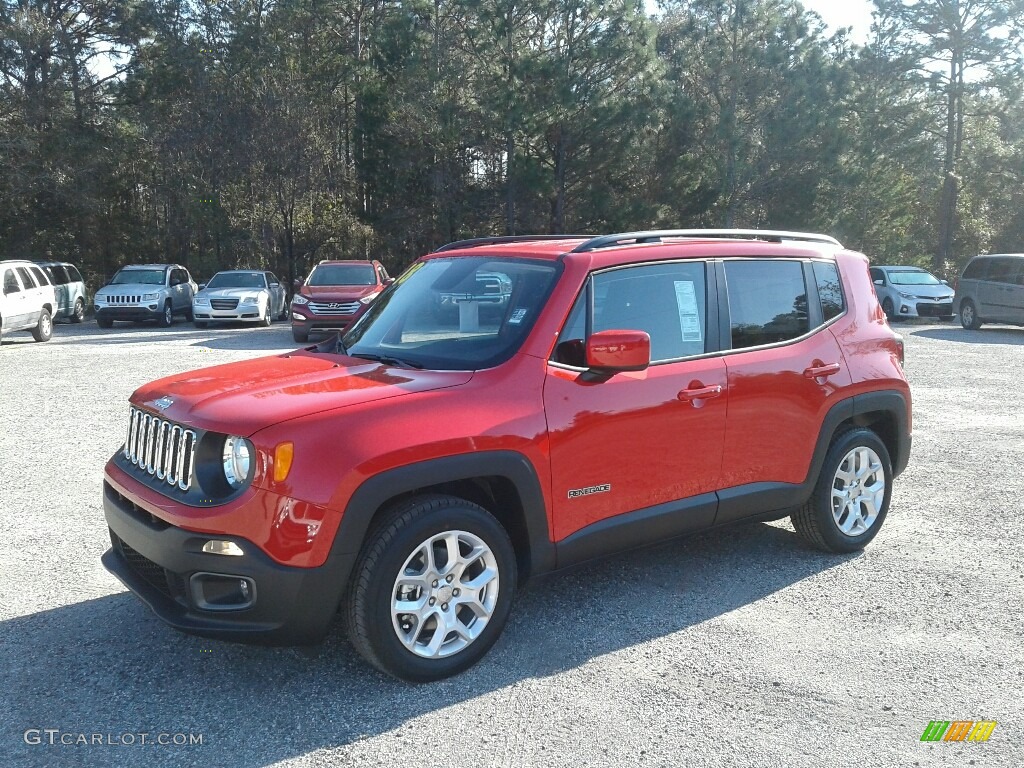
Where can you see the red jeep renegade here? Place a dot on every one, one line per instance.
(508, 407)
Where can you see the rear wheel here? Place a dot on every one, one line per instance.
(969, 316)
(167, 316)
(44, 328)
(851, 498)
(432, 588)
(78, 312)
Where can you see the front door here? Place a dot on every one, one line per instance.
(636, 440)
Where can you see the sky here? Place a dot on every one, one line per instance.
(844, 13)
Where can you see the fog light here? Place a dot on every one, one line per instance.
(222, 592)
(215, 547)
(297, 316)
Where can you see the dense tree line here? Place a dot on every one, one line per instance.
(221, 133)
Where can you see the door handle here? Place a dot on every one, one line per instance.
(700, 393)
(821, 371)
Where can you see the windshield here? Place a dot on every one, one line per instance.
(143, 276)
(236, 280)
(912, 277)
(342, 274)
(455, 314)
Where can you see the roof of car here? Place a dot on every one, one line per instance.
(152, 266)
(647, 245)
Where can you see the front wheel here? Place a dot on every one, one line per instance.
(889, 309)
(851, 498)
(167, 316)
(44, 328)
(78, 313)
(299, 335)
(969, 316)
(432, 588)
(266, 320)
(104, 322)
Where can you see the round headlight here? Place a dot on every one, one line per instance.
(237, 459)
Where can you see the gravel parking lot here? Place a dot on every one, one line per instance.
(738, 647)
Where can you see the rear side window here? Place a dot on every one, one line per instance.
(26, 278)
(830, 289)
(976, 269)
(767, 302)
(1002, 270)
(37, 273)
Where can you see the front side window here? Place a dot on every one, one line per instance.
(10, 282)
(57, 274)
(40, 277)
(976, 269)
(342, 274)
(667, 301)
(767, 302)
(460, 313)
(139, 277)
(74, 276)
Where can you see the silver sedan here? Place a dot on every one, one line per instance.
(240, 295)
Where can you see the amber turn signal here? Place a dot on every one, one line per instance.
(283, 455)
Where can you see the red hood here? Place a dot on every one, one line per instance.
(245, 397)
(338, 292)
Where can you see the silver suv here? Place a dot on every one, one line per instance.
(146, 292)
(27, 300)
(991, 289)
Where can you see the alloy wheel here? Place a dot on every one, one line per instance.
(858, 491)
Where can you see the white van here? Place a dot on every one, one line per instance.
(27, 300)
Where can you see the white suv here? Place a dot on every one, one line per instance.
(27, 299)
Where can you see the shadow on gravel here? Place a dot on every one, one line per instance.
(242, 336)
(108, 666)
(987, 335)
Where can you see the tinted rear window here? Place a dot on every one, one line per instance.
(767, 302)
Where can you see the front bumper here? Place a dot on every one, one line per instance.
(243, 313)
(151, 311)
(165, 566)
(924, 308)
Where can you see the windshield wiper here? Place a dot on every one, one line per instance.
(388, 359)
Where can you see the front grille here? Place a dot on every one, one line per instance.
(161, 448)
(224, 303)
(124, 299)
(333, 308)
(164, 581)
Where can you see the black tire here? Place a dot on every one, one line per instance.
(300, 336)
(188, 314)
(104, 322)
(44, 328)
(387, 549)
(166, 318)
(200, 323)
(78, 311)
(890, 310)
(969, 315)
(815, 520)
(267, 318)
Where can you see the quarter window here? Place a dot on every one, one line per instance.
(830, 289)
(767, 302)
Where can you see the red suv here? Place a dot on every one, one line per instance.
(335, 295)
(413, 472)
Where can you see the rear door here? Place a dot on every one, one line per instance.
(996, 292)
(637, 440)
(784, 372)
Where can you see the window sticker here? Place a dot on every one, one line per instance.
(689, 314)
(517, 316)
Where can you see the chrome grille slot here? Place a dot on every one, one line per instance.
(333, 308)
(224, 303)
(161, 448)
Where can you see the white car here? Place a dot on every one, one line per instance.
(911, 292)
(27, 300)
(246, 295)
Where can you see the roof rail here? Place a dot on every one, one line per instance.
(460, 244)
(655, 236)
